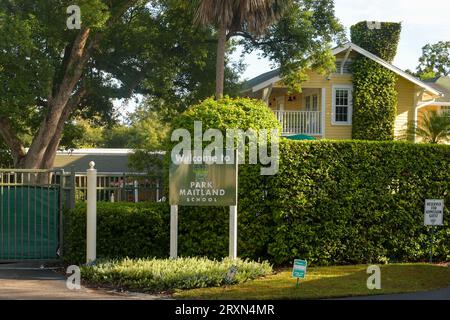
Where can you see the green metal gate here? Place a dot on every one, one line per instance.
(30, 214)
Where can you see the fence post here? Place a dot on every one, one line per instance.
(91, 226)
(72, 188)
(136, 191)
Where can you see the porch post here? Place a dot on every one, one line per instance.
(266, 94)
(323, 113)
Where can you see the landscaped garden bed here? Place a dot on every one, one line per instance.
(162, 275)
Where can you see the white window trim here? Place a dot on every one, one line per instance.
(350, 107)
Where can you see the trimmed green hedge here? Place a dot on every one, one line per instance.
(331, 203)
(123, 229)
(374, 86)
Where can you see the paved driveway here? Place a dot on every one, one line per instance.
(28, 281)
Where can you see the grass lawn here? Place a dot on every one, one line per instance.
(328, 282)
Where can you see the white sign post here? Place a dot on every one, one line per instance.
(433, 216)
(173, 231)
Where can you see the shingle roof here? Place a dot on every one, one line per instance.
(260, 79)
(103, 162)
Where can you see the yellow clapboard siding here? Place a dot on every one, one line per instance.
(407, 92)
(405, 107)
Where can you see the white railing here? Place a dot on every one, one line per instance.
(304, 122)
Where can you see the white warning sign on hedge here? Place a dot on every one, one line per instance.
(434, 212)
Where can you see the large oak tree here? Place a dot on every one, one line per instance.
(49, 74)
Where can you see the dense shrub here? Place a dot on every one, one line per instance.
(331, 203)
(123, 229)
(374, 92)
(358, 202)
(153, 275)
(228, 113)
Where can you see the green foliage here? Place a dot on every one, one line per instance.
(6, 160)
(435, 60)
(124, 229)
(357, 202)
(148, 132)
(381, 42)
(152, 275)
(374, 92)
(331, 203)
(374, 101)
(301, 40)
(433, 127)
(228, 113)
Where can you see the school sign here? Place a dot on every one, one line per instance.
(203, 184)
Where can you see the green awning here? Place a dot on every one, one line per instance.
(300, 137)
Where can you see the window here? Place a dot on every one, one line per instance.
(342, 105)
(347, 66)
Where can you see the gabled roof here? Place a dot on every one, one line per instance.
(443, 85)
(273, 76)
(387, 65)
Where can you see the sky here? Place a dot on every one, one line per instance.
(422, 22)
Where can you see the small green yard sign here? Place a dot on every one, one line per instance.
(299, 270)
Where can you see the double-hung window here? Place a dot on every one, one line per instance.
(342, 105)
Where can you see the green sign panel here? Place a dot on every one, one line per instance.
(203, 184)
(299, 270)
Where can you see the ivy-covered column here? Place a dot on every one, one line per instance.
(374, 92)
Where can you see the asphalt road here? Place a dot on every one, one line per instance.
(441, 294)
(30, 282)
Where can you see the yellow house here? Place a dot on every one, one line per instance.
(324, 107)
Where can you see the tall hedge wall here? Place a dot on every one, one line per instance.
(331, 203)
(374, 91)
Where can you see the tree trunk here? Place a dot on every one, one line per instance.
(220, 62)
(57, 103)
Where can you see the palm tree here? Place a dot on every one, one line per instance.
(434, 127)
(231, 16)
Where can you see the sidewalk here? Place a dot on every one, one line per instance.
(27, 281)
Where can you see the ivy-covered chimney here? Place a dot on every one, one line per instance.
(374, 86)
(379, 38)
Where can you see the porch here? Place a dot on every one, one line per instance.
(298, 113)
(300, 122)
